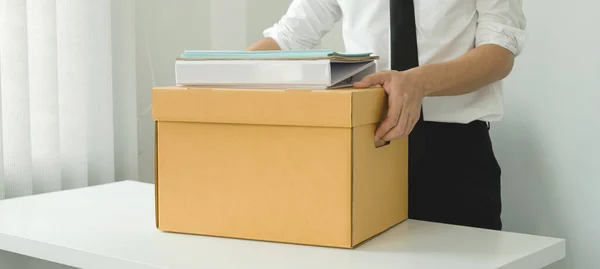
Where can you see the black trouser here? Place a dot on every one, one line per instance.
(454, 177)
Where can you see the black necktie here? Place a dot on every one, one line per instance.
(403, 31)
(404, 56)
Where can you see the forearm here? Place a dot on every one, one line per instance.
(266, 43)
(477, 68)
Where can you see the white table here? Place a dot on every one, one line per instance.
(112, 226)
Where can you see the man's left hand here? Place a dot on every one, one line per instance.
(405, 97)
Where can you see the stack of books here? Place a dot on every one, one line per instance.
(294, 69)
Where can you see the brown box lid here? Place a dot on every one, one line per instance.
(319, 108)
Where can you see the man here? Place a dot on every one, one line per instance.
(441, 65)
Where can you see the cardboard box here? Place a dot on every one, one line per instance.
(293, 166)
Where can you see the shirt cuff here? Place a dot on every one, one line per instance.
(508, 37)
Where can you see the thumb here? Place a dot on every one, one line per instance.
(378, 78)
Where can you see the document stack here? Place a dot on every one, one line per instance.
(302, 69)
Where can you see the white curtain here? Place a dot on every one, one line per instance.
(68, 115)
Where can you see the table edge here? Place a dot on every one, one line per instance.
(540, 259)
(64, 255)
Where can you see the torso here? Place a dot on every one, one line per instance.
(446, 29)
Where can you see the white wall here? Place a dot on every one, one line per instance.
(548, 144)
(164, 30)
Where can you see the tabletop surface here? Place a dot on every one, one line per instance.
(112, 226)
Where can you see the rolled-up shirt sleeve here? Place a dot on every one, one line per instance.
(501, 22)
(304, 24)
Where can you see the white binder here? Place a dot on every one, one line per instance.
(291, 73)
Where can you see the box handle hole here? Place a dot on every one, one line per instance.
(381, 143)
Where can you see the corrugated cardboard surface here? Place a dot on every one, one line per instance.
(286, 166)
(379, 184)
(256, 182)
(321, 108)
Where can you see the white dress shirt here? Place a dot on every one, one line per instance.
(446, 29)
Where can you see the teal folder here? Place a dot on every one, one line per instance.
(270, 54)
